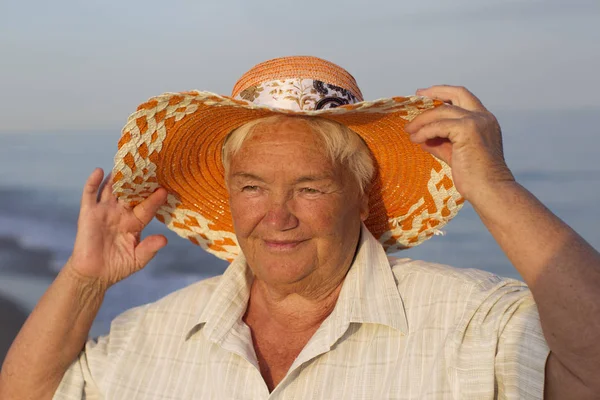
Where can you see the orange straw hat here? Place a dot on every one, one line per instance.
(175, 140)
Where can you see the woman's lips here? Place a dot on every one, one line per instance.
(282, 245)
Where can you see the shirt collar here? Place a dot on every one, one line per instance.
(369, 295)
(370, 292)
(227, 304)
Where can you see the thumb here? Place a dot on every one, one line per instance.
(147, 249)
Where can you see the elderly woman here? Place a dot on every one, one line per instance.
(305, 198)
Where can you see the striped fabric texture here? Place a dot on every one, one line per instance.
(401, 329)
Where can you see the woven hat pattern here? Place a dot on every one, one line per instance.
(175, 140)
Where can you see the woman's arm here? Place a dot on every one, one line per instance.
(107, 249)
(561, 269)
(563, 273)
(51, 338)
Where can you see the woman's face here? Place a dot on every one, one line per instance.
(297, 216)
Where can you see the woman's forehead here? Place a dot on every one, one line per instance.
(290, 149)
(287, 133)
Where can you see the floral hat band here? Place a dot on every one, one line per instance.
(298, 94)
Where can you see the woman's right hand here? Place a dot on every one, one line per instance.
(108, 246)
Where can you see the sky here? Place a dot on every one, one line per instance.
(76, 65)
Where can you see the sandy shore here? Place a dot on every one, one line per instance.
(12, 318)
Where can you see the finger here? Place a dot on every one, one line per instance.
(147, 249)
(90, 189)
(444, 129)
(456, 95)
(441, 148)
(438, 113)
(105, 192)
(147, 209)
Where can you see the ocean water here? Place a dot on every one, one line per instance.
(553, 154)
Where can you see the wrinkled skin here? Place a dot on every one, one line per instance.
(296, 214)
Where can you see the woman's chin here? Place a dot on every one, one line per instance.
(282, 272)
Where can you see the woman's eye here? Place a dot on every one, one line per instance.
(310, 190)
(250, 188)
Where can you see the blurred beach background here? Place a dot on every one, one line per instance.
(71, 73)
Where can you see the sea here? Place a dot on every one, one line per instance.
(553, 153)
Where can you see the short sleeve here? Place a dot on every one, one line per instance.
(84, 378)
(78, 382)
(499, 348)
(522, 353)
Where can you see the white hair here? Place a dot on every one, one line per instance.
(341, 143)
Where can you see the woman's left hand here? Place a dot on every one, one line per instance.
(465, 135)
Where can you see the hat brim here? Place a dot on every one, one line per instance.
(175, 141)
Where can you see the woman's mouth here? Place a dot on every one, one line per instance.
(282, 245)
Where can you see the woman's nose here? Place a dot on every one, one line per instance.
(280, 217)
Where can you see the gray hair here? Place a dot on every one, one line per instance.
(341, 143)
